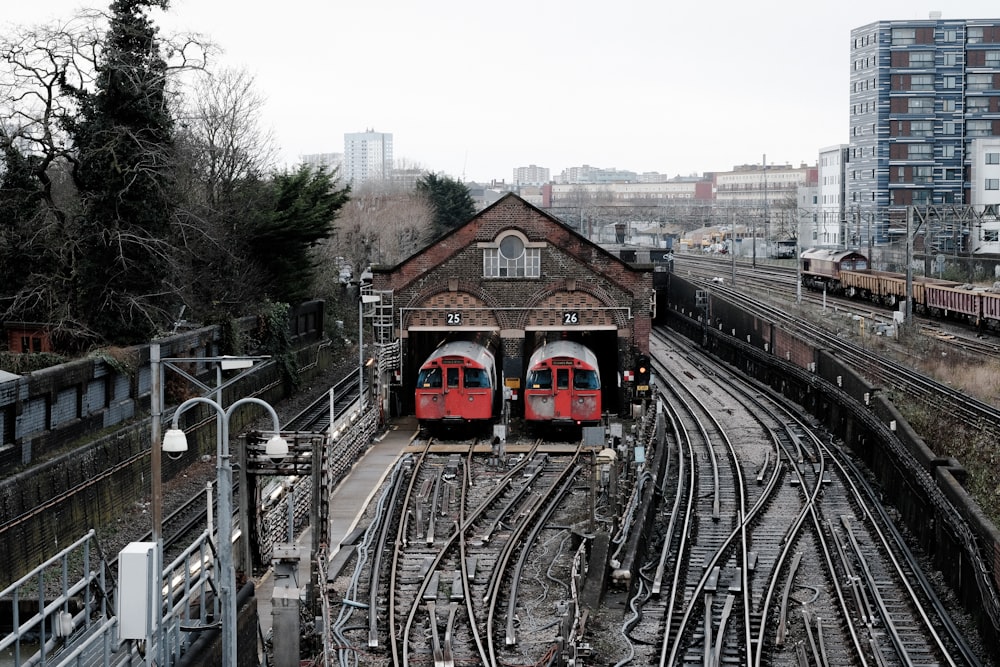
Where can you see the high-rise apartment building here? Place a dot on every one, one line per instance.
(367, 156)
(924, 104)
(531, 175)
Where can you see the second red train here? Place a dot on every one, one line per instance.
(563, 385)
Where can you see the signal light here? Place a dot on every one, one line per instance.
(642, 373)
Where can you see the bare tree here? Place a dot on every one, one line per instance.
(222, 122)
(784, 214)
(224, 156)
(379, 225)
(49, 75)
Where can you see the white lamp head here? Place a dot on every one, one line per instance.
(175, 443)
(276, 448)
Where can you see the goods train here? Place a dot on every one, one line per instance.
(563, 385)
(457, 385)
(846, 272)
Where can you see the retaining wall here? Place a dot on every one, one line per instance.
(85, 485)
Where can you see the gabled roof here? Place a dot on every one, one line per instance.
(453, 238)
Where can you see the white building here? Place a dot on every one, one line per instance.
(753, 184)
(829, 231)
(530, 175)
(587, 174)
(367, 156)
(984, 192)
(608, 193)
(811, 227)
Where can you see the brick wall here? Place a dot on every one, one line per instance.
(576, 275)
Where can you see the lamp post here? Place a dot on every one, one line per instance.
(175, 443)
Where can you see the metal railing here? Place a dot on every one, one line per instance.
(58, 606)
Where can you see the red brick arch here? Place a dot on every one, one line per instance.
(431, 308)
(596, 308)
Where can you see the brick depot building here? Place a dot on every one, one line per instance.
(515, 272)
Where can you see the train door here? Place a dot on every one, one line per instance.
(477, 393)
(586, 404)
(453, 400)
(563, 395)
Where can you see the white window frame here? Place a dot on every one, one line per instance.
(903, 36)
(979, 81)
(978, 128)
(921, 82)
(526, 265)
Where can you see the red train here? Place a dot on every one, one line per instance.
(563, 385)
(457, 385)
(846, 272)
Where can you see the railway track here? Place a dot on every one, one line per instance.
(781, 282)
(805, 537)
(450, 566)
(976, 414)
(759, 544)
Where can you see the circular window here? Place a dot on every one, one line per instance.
(511, 247)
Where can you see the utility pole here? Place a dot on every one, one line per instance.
(908, 313)
(767, 223)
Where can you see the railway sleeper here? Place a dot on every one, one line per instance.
(712, 583)
(736, 585)
(431, 592)
(457, 587)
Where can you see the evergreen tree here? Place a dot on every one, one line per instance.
(304, 206)
(123, 136)
(20, 207)
(453, 204)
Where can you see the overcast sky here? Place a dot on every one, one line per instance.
(473, 89)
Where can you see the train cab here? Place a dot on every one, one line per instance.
(821, 267)
(563, 385)
(456, 385)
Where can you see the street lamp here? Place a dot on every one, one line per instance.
(174, 444)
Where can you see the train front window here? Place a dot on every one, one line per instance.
(583, 379)
(476, 378)
(562, 378)
(452, 377)
(429, 378)
(540, 378)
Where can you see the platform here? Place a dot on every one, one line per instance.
(347, 504)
